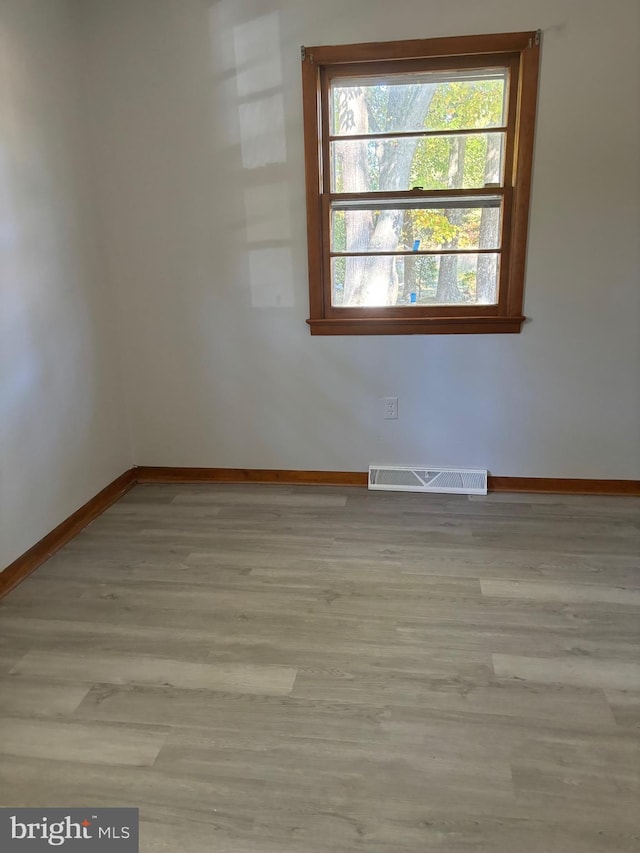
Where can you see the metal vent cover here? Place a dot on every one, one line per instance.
(452, 481)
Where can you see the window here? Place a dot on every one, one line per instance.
(418, 170)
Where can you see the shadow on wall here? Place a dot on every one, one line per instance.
(249, 343)
(254, 51)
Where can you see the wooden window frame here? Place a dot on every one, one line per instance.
(518, 51)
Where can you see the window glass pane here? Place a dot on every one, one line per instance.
(422, 101)
(407, 280)
(415, 229)
(434, 163)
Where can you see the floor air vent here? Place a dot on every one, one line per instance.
(452, 481)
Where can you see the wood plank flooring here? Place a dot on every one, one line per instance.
(271, 669)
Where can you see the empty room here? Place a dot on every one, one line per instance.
(320, 426)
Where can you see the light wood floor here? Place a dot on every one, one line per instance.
(267, 669)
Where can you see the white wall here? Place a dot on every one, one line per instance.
(196, 114)
(62, 431)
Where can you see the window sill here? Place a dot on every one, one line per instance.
(417, 326)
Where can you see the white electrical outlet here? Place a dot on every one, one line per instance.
(390, 408)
